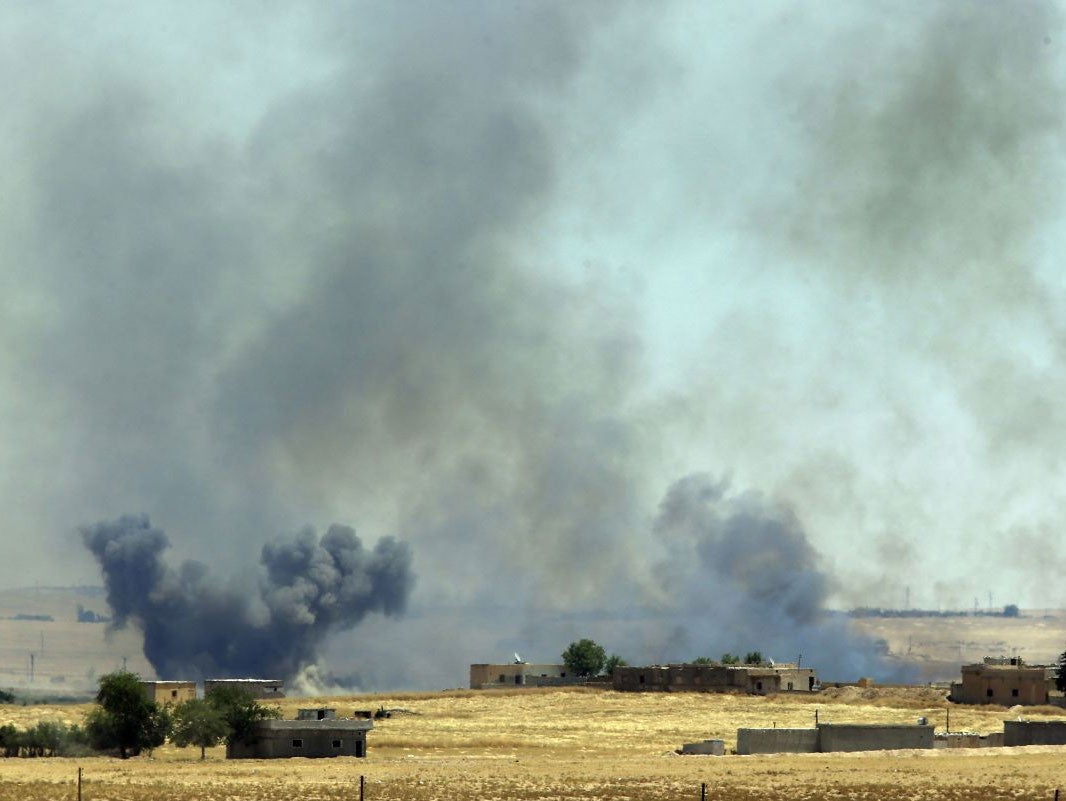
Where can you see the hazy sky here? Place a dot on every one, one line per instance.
(493, 277)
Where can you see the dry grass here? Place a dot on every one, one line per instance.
(568, 744)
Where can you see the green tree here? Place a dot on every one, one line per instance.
(240, 712)
(198, 722)
(613, 661)
(729, 659)
(124, 720)
(584, 657)
(753, 658)
(702, 660)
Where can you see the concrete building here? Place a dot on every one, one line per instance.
(318, 733)
(520, 674)
(755, 679)
(259, 688)
(169, 692)
(1004, 681)
(704, 748)
(829, 737)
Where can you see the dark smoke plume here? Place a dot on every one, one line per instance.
(196, 625)
(743, 576)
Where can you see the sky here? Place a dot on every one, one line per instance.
(611, 312)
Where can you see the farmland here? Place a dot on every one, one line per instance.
(570, 744)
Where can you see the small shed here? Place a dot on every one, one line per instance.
(279, 739)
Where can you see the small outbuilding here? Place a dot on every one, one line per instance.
(317, 733)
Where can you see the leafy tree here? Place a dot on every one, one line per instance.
(240, 712)
(729, 659)
(1010, 610)
(6, 697)
(613, 661)
(703, 660)
(1060, 675)
(753, 658)
(198, 722)
(10, 740)
(584, 657)
(125, 719)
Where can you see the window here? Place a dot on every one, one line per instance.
(297, 743)
(517, 679)
(503, 678)
(1014, 692)
(790, 685)
(336, 743)
(988, 692)
(173, 693)
(641, 678)
(758, 685)
(321, 714)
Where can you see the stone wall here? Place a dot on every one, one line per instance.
(1034, 732)
(777, 741)
(873, 736)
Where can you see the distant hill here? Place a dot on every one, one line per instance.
(44, 648)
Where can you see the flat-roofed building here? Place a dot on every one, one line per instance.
(520, 674)
(756, 679)
(169, 692)
(312, 736)
(259, 688)
(1004, 681)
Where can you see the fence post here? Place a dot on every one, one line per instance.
(703, 792)
(361, 783)
(79, 784)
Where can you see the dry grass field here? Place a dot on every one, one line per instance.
(569, 745)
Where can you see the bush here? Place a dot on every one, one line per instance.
(585, 658)
(613, 661)
(125, 721)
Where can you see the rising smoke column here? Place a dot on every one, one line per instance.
(742, 575)
(197, 624)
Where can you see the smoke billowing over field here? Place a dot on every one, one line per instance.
(492, 279)
(200, 626)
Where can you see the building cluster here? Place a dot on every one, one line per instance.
(174, 692)
(764, 679)
(316, 732)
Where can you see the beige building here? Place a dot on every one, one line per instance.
(756, 679)
(169, 692)
(519, 674)
(1004, 681)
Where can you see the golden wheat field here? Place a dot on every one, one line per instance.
(569, 744)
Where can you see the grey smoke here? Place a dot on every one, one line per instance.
(742, 575)
(197, 625)
(489, 276)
